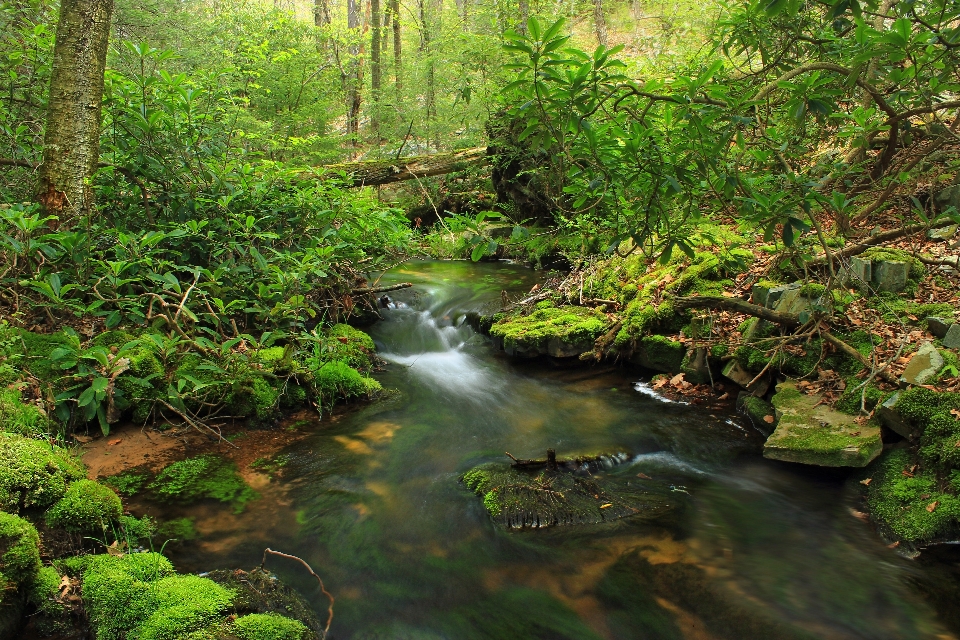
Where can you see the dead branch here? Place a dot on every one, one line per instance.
(739, 306)
(199, 426)
(263, 563)
(853, 353)
(375, 290)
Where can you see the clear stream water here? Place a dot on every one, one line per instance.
(372, 500)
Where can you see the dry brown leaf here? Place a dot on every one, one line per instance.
(114, 442)
(644, 476)
(866, 482)
(724, 396)
(606, 506)
(676, 380)
(768, 419)
(932, 506)
(955, 413)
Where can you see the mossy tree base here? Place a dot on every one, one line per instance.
(811, 433)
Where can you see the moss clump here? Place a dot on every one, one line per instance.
(37, 348)
(917, 269)
(87, 507)
(51, 617)
(137, 596)
(343, 343)
(852, 398)
(813, 290)
(34, 473)
(128, 483)
(339, 380)
(930, 410)
(252, 396)
(205, 476)
(268, 626)
(901, 502)
(572, 325)
(136, 530)
(18, 417)
(661, 353)
(20, 561)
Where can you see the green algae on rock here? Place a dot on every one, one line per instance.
(559, 332)
(809, 432)
(517, 499)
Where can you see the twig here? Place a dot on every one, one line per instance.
(392, 287)
(263, 563)
(199, 426)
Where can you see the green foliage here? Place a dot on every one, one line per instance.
(87, 507)
(34, 474)
(206, 476)
(20, 561)
(268, 626)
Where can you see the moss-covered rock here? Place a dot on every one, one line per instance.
(930, 413)
(19, 554)
(34, 474)
(19, 417)
(520, 499)
(810, 432)
(87, 507)
(758, 411)
(268, 626)
(260, 592)
(561, 332)
(659, 353)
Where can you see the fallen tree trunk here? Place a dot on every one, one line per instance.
(737, 305)
(378, 172)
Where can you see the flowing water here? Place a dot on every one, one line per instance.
(373, 502)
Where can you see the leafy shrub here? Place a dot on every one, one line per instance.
(21, 559)
(88, 506)
(268, 626)
(34, 473)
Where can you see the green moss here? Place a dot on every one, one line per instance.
(573, 325)
(87, 507)
(51, 617)
(37, 348)
(917, 269)
(853, 397)
(136, 530)
(900, 502)
(268, 626)
(930, 410)
(661, 353)
(252, 396)
(128, 483)
(137, 597)
(18, 417)
(34, 473)
(813, 290)
(205, 476)
(339, 380)
(719, 350)
(20, 560)
(180, 529)
(343, 343)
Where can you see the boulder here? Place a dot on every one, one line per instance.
(947, 197)
(891, 418)
(757, 411)
(923, 366)
(809, 432)
(767, 294)
(659, 353)
(879, 274)
(939, 326)
(943, 233)
(697, 368)
(561, 332)
(951, 339)
(735, 372)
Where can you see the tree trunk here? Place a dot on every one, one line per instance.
(375, 72)
(397, 48)
(321, 13)
(600, 22)
(354, 73)
(377, 172)
(524, 16)
(425, 49)
(71, 146)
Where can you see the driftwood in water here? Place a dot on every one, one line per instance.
(378, 172)
(579, 464)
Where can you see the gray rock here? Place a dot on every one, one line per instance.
(881, 275)
(923, 366)
(938, 326)
(776, 293)
(947, 197)
(758, 411)
(737, 374)
(891, 418)
(559, 348)
(696, 366)
(951, 340)
(943, 233)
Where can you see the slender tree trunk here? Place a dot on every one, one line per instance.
(524, 15)
(353, 73)
(321, 13)
(375, 69)
(397, 48)
(71, 147)
(600, 22)
(425, 49)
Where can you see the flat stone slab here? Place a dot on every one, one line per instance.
(924, 365)
(951, 339)
(811, 433)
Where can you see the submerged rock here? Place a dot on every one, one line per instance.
(518, 499)
(809, 432)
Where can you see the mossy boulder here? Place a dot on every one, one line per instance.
(87, 507)
(561, 332)
(19, 554)
(268, 626)
(260, 593)
(18, 417)
(659, 353)
(757, 411)
(517, 499)
(810, 432)
(33, 473)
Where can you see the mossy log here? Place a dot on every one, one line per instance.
(379, 172)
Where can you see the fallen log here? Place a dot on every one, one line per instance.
(371, 173)
(578, 464)
(375, 290)
(737, 305)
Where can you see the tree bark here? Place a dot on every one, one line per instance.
(354, 74)
(321, 13)
(397, 48)
(425, 49)
(378, 172)
(71, 147)
(375, 69)
(600, 23)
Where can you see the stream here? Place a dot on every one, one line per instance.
(372, 500)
